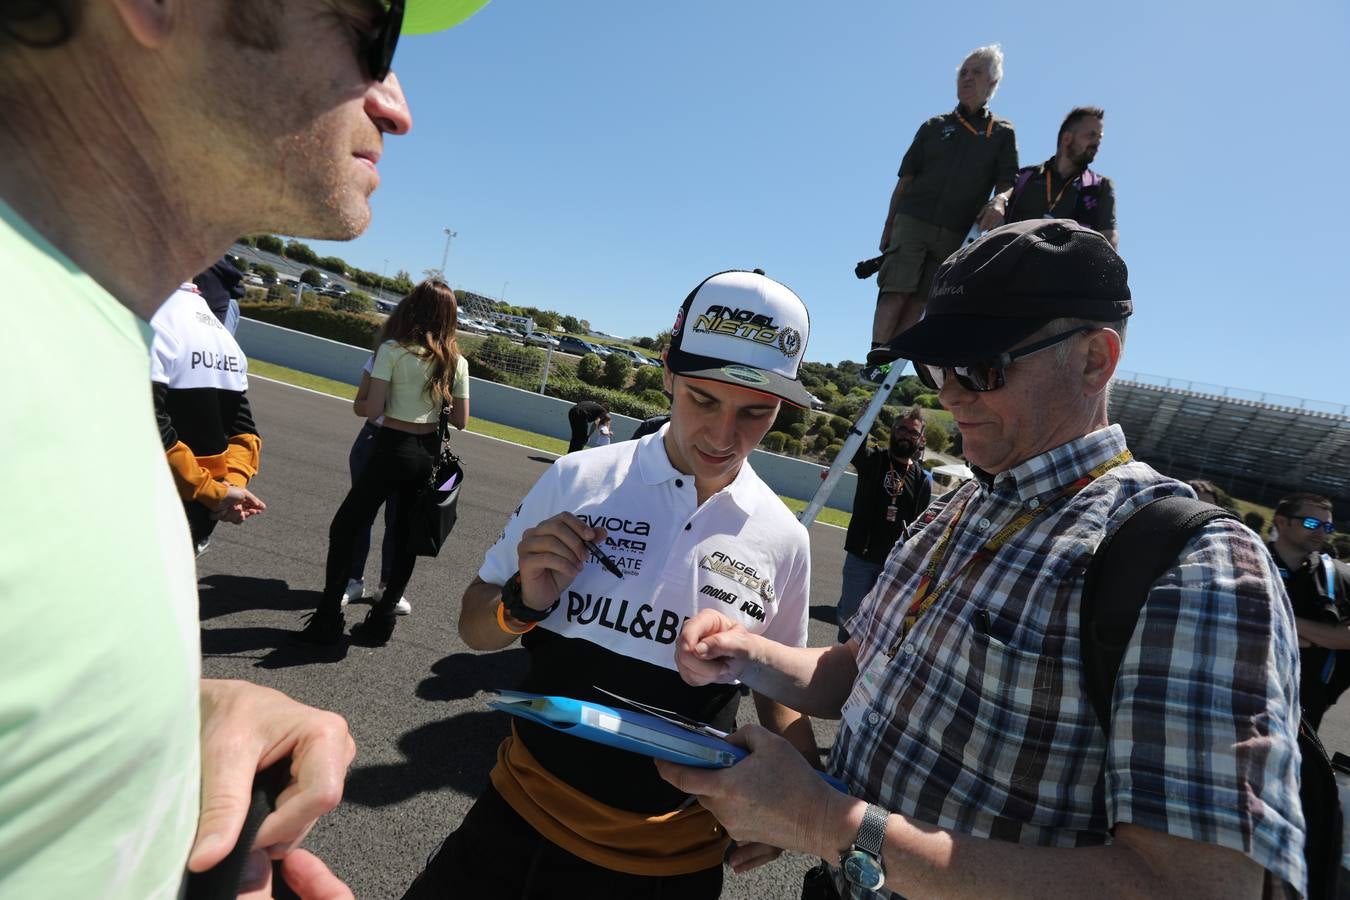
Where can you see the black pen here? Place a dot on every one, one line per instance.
(604, 560)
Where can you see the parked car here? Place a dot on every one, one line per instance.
(638, 359)
(254, 279)
(569, 344)
(539, 339)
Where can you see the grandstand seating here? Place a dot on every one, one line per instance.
(1256, 446)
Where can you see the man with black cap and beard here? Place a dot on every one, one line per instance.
(975, 761)
(893, 488)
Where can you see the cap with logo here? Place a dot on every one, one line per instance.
(744, 329)
(427, 16)
(1002, 288)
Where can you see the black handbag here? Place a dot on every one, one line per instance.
(433, 515)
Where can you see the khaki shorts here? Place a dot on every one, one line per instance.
(914, 254)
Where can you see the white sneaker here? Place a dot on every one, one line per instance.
(356, 589)
(402, 607)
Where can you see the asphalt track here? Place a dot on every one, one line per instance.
(425, 740)
(415, 707)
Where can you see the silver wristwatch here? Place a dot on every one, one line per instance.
(862, 862)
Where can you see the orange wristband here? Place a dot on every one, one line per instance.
(502, 624)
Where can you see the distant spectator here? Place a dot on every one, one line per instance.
(418, 368)
(650, 426)
(893, 488)
(943, 188)
(583, 417)
(1063, 186)
(1205, 491)
(223, 287)
(1319, 588)
(199, 380)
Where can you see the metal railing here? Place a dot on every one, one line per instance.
(1232, 393)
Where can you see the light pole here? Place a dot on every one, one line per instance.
(384, 281)
(502, 298)
(445, 257)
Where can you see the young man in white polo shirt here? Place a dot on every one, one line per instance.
(691, 527)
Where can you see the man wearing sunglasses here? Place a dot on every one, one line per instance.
(1319, 587)
(132, 160)
(975, 762)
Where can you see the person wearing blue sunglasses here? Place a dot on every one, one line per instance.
(1319, 587)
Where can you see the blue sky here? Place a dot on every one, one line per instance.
(601, 157)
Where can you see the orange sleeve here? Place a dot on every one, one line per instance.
(193, 482)
(241, 458)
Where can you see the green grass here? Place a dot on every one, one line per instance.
(488, 429)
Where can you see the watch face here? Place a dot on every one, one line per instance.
(863, 869)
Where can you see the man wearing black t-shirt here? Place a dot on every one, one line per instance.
(1319, 588)
(583, 417)
(893, 488)
(1063, 186)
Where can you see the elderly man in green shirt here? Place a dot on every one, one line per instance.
(944, 186)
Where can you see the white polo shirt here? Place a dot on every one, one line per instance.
(741, 552)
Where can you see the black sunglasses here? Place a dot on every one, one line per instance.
(379, 43)
(1312, 524)
(989, 376)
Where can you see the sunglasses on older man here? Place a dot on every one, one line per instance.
(377, 45)
(990, 376)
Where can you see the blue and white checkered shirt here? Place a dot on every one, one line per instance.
(980, 722)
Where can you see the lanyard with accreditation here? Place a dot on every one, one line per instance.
(930, 589)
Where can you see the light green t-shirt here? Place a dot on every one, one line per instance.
(99, 644)
(407, 373)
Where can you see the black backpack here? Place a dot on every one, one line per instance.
(1132, 557)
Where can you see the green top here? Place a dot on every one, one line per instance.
(99, 653)
(407, 373)
(955, 165)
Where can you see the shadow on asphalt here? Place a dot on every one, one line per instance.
(455, 753)
(546, 460)
(221, 595)
(461, 675)
(824, 613)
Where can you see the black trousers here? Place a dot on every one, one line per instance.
(581, 429)
(200, 522)
(496, 854)
(400, 464)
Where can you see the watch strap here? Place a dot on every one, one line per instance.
(513, 602)
(872, 831)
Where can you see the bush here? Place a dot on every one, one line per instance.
(787, 416)
(565, 387)
(649, 378)
(821, 442)
(840, 425)
(617, 369)
(1256, 522)
(591, 369)
(356, 329)
(501, 355)
(354, 301)
(827, 432)
(332, 264)
(797, 430)
(928, 401)
(269, 243)
(832, 450)
(311, 277)
(908, 388)
(938, 439)
(264, 271)
(774, 441)
(886, 416)
(300, 253)
(655, 398)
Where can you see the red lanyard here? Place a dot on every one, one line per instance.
(928, 593)
(988, 129)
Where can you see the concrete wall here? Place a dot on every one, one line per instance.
(510, 406)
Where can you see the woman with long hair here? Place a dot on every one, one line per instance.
(418, 367)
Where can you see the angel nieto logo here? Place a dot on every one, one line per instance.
(748, 325)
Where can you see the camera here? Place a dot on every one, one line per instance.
(868, 267)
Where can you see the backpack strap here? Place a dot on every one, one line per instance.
(1133, 556)
(1089, 179)
(1023, 176)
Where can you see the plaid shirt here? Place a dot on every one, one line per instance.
(980, 721)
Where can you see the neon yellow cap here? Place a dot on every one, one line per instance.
(427, 16)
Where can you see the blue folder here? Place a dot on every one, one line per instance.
(638, 732)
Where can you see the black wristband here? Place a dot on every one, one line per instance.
(514, 603)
